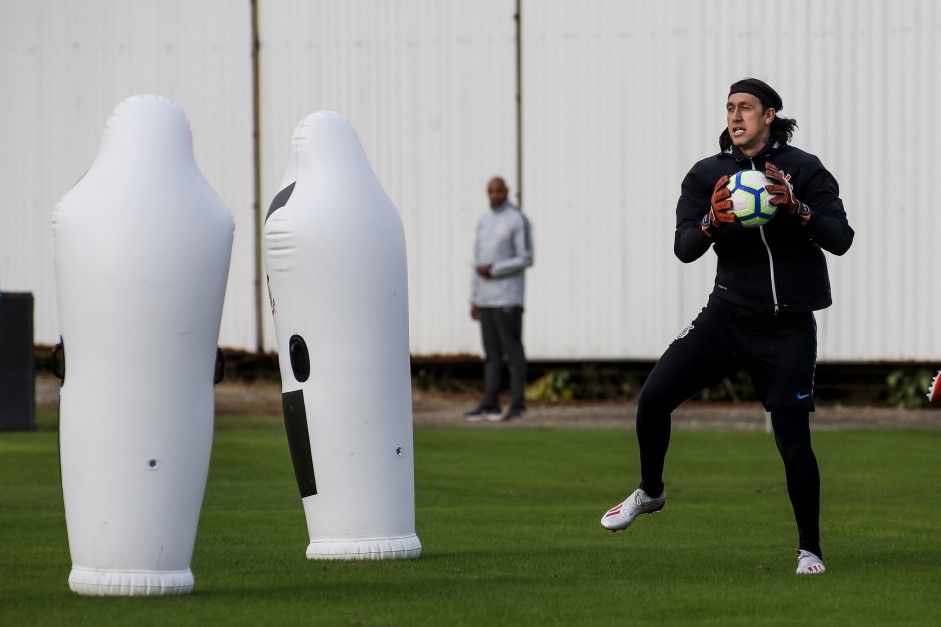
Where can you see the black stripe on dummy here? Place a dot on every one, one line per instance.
(58, 360)
(280, 199)
(295, 423)
(218, 371)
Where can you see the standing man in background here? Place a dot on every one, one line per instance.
(503, 249)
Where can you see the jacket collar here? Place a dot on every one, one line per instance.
(773, 147)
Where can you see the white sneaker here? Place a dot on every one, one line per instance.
(512, 414)
(483, 413)
(809, 564)
(623, 514)
(934, 390)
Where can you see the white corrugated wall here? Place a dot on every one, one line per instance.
(65, 66)
(619, 98)
(430, 87)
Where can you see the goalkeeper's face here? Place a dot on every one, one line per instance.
(749, 122)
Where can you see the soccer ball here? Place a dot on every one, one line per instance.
(750, 200)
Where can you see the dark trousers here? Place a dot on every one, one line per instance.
(779, 353)
(502, 331)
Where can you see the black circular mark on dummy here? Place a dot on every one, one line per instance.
(300, 358)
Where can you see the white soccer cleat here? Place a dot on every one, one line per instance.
(809, 564)
(623, 514)
(934, 390)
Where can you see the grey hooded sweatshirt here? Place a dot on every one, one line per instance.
(504, 240)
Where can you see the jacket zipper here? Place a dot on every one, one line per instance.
(761, 230)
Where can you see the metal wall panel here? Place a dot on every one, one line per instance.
(65, 66)
(621, 98)
(430, 87)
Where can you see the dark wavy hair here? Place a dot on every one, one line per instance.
(782, 128)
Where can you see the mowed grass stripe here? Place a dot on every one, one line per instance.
(509, 524)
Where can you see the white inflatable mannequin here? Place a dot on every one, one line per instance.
(337, 277)
(142, 249)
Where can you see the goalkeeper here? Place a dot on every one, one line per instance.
(759, 317)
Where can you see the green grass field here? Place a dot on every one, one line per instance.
(509, 524)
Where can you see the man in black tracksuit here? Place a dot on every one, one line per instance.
(759, 317)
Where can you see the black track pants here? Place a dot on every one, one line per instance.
(502, 334)
(779, 353)
(792, 435)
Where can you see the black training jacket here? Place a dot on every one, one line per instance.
(779, 266)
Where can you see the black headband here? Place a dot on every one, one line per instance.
(768, 99)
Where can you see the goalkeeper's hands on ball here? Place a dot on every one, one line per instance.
(782, 193)
(721, 210)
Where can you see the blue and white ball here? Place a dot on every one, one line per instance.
(751, 202)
